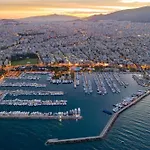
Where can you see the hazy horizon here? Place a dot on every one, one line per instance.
(14, 9)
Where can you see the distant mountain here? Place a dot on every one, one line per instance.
(8, 21)
(134, 15)
(50, 18)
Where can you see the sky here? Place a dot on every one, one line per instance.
(12, 9)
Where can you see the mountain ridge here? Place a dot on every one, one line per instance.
(52, 17)
(141, 14)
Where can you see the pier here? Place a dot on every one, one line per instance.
(103, 133)
(40, 93)
(33, 103)
(22, 84)
(42, 117)
(68, 115)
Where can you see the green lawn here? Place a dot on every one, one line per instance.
(25, 62)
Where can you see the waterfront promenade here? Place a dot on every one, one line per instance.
(105, 130)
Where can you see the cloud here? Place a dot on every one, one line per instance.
(114, 7)
(135, 1)
(75, 11)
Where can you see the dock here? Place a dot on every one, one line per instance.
(103, 133)
(74, 114)
(33, 103)
(42, 117)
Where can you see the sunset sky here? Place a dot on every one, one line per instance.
(81, 8)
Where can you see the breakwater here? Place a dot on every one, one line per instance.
(105, 130)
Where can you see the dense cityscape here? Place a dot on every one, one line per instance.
(110, 42)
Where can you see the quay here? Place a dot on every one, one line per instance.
(105, 130)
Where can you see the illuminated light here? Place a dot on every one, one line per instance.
(105, 64)
(70, 64)
(121, 65)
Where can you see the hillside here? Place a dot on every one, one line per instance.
(134, 15)
(50, 18)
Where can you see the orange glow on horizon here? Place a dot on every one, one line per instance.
(78, 12)
(14, 9)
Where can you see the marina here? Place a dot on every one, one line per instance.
(98, 89)
(105, 130)
(112, 80)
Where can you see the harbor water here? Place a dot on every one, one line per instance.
(130, 131)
